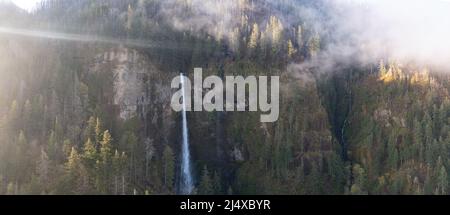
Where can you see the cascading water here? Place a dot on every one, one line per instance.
(187, 184)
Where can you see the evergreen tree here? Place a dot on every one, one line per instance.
(13, 117)
(314, 181)
(27, 113)
(206, 186)
(43, 171)
(441, 177)
(360, 181)
(104, 165)
(117, 171)
(52, 145)
(90, 131)
(22, 142)
(428, 184)
(11, 189)
(98, 132)
(216, 184)
(73, 162)
(418, 140)
(90, 155)
(314, 45)
(291, 49)
(337, 173)
(67, 146)
(22, 158)
(230, 191)
(274, 30)
(72, 172)
(393, 156)
(382, 69)
(149, 153)
(254, 37)
(300, 37)
(106, 148)
(442, 181)
(168, 168)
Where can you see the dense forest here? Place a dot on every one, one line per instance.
(85, 103)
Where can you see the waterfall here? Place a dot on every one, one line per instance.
(187, 184)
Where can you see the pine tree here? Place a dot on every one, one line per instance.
(77, 179)
(360, 181)
(299, 36)
(117, 171)
(11, 189)
(336, 171)
(123, 165)
(254, 37)
(382, 69)
(216, 184)
(22, 157)
(73, 161)
(72, 167)
(149, 152)
(98, 132)
(27, 114)
(90, 131)
(106, 148)
(13, 110)
(235, 40)
(291, 49)
(22, 142)
(314, 181)
(393, 156)
(168, 168)
(274, 31)
(441, 176)
(2, 185)
(129, 141)
(130, 18)
(13, 117)
(418, 140)
(90, 155)
(428, 186)
(52, 145)
(59, 133)
(429, 152)
(442, 120)
(43, 170)
(206, 186)
(230, 191)
(314, 45)
(428, 129)
(67, 146)
(442, 181)
(104, 165)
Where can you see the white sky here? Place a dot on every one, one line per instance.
(30, 4)
(26, 4)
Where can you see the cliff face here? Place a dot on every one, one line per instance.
(139, 92)
(133, 80)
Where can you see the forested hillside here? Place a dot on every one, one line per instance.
(85, 103)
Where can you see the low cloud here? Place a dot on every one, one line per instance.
(409, 31)
(362, 31)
